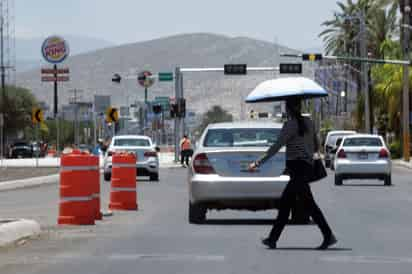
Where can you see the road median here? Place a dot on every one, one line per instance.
(12, 231)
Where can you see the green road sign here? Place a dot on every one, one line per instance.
(165, 76)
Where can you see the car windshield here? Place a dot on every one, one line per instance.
(241, 137)
(357, 142)
(132, 142)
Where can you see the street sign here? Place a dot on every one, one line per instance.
(145, 79)
(290, 68)
(235, 69)
(311, 57)
(55, 49)
(112, 115)
(37, 115)
(55, 79)
(165, 76)
(55, 71)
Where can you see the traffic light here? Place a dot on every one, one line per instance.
(173, 110)
(157, 109)
(290, 68)
(116, 78)
(235, 69)
(181, 107)
(311, 57)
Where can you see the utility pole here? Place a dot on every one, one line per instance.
(365, 76)
(405, 94)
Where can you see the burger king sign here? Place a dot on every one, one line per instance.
(55, 49)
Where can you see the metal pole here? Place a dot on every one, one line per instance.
(3, 75)
(365, 77)
(38, 144)
(1, 138)
(178, 75)
(55, 92)
(405, 95)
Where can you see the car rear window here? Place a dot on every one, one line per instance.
(239, 137)
(334, 137)
(131, 142)
(357, 142)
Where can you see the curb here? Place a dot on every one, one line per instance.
(31, 182)
(401, 163)
(12, 231)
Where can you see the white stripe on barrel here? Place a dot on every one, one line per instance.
(126, 189)
(83, 168)
(76, 199)
(123, 165)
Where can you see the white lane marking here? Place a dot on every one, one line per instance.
(367, 259)
(167, 257)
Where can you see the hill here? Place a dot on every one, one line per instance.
(92, 72)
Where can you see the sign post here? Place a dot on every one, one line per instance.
(146, 80)
(37, 118)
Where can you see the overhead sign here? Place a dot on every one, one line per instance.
(55, 49)
(112, 115)
(145, 79)
(165, 76)
(37, 115)
(235, 69)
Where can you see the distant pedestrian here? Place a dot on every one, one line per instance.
(186, 150)
(298, 135)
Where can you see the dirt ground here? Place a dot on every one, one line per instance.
(17, 173)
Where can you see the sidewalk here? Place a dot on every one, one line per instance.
(166, 160)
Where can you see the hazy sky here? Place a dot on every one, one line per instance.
(295, 23)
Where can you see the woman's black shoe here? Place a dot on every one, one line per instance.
(269, 243)
(327, 242)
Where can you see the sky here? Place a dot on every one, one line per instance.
(294, 23)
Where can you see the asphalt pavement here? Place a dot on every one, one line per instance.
(372, 222)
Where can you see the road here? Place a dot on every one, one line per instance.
(372, 222)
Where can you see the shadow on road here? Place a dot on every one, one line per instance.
(313, 249)
(246, 222)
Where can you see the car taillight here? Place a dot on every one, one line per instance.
(383, 153)
(202, 165)
(150, 154)
(341, 154)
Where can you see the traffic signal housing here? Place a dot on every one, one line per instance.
(290, 68)
(116, 78)
(181, 107)
(311, 57)
(173, 110)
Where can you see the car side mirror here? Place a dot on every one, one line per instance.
(334, 150)
(157, 149)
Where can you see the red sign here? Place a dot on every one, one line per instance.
(53, 71)
(55, 79)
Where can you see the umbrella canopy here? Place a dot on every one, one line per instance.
(284, 88)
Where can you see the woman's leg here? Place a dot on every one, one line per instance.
(286, 203)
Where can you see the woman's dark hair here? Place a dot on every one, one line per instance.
(294, 108)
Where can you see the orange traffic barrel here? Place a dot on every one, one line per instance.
(77, 186)
(123, 192)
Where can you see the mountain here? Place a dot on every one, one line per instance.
(28, 49)
(93, 71)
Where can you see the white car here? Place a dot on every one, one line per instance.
(330, 144)
(363, 156)
(147, 159)
(219, 177)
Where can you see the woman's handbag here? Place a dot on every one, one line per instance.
(318, 171)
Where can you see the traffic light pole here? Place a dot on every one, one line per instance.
(179, 121)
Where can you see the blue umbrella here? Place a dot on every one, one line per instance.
(285, 88)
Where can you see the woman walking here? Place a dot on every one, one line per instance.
(301, 143)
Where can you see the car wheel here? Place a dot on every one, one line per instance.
(338, 180)
(154, 177)
(107, 176)
(197, 214)
(388, 180)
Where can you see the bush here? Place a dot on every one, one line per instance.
(396, 149)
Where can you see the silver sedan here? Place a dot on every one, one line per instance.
(363, 157)
(219, 177)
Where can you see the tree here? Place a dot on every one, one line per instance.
(18, 106)
(215, 115)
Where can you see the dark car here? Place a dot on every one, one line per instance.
(21, 150)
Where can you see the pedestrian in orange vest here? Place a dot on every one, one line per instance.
(186, 150)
